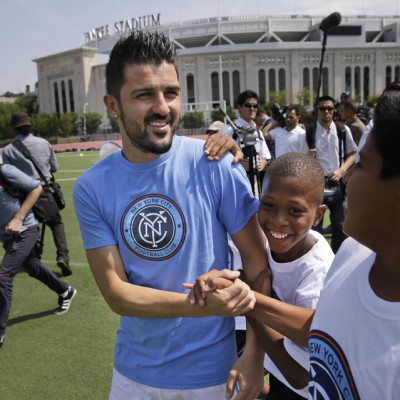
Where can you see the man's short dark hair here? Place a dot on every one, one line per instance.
(140, 47)
(247, 94)
(293, 108)
(326, 98)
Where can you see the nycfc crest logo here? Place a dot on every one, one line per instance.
(153, 227)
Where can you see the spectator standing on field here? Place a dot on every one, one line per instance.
(19, 232)
(45, 210)
(348, 110)
(288, 138)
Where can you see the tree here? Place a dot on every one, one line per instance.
(28, 103)
(216, 114)
(93, 121)
(193, 119)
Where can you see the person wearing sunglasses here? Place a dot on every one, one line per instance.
(333, 146)
(247, 105)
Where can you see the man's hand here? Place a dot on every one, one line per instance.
(208, 282)
(226, 295)
(218, 145)
(247, 378)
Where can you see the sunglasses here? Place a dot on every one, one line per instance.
(251, 105)
(330, 109)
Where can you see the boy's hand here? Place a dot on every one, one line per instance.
(218, 145)
(209, 282)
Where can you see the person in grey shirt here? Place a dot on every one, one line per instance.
(45, 210)
(19, 233)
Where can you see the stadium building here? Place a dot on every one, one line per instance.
(220, 57)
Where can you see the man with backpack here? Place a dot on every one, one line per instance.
(19, 232)
(333, 146)
(40, 164)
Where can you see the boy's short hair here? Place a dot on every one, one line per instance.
(140, 47)
(302, 166)
(386, 135)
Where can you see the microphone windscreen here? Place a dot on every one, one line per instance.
(331, 21)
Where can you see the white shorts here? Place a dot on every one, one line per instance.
(123, 388)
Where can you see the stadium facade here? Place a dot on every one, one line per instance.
(220, 57)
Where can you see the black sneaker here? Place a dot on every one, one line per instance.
(63, 264)
(65, 302)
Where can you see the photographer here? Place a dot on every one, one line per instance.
(250, 139)
(290, 137)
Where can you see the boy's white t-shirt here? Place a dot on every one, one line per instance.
(355, 335)
(299, 283)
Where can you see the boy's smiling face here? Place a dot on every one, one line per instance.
(288, 210)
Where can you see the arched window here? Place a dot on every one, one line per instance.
(388, 77)
(226, 87)
(56, 98)
(71, 96)
(262, 86)
(325, 81)
(64, 97)
(397, 73)
(315, 74)
(347, 79)
(357, 81)
(236, 85)
(366, 83)
(272, 80)
(190, 88)
(282, 80)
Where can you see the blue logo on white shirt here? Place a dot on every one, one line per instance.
(153, 227)
(330, 374)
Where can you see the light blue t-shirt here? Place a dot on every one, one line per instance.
(170, 219)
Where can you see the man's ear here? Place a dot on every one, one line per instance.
(319, 214)
(112, 105)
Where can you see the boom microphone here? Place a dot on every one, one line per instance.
(330, 22)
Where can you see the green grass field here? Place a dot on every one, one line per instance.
(48, 357)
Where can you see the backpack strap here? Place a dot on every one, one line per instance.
(341, 134)
(26, 153)
(310, 136)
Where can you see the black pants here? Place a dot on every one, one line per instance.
(336, 214)
(47, 212)
(21, 253)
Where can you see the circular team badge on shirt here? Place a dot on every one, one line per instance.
(153, 227)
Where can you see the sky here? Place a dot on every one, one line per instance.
(31, 29)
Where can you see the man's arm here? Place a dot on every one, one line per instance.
(14, 226)
(129, 299)
(267, 130)
(338, 174)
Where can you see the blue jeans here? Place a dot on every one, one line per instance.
(21, 253)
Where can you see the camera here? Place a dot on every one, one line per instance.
(278, 114)
(249, 136)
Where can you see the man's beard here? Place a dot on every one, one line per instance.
(141, 139)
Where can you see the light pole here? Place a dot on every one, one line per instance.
(84, 119)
